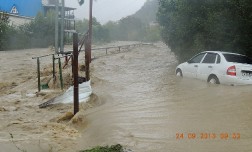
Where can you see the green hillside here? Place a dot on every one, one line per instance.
(147, 13)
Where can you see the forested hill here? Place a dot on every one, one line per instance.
(147, 13)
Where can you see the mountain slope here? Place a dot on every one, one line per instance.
(148, 12)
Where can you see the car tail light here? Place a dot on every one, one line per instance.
(231, 71)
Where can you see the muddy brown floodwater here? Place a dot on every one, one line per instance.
(142, 105)
(146, 107)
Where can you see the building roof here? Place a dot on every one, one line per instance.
(28, 8)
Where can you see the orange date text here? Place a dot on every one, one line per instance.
(208, 136)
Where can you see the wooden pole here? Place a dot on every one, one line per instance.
(87, 63)
(38, 71)
(75, 73)
(90, 28)
(88, 45)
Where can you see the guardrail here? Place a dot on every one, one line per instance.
(68, 55)
(120, 47)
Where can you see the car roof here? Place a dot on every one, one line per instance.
(221, 52)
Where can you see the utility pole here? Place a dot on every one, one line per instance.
(75, 73)
(88, 45)
(56, 27)
(90, 27)
(62, 26)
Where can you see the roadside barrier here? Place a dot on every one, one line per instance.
(69, 55)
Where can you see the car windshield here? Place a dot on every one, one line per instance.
(237, 58)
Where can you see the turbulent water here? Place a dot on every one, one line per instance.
(141, 105)
(147, 108)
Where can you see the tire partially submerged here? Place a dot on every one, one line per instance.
(179, 73)
(213, 79)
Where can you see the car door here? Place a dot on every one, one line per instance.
(207, 66)
(192, 65)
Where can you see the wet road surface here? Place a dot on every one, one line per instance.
(148, 109)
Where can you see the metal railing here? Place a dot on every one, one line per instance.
(68, 55)
(53, 68)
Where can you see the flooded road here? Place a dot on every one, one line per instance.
(141, 105)
(146, 108)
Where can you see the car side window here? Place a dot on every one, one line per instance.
(210, 58)
(197, 58)
(218, 59)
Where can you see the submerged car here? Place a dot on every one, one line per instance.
(218, 67)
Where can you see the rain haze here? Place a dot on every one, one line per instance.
(141, 71)
(106, 10)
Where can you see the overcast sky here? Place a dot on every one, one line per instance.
(105, 10)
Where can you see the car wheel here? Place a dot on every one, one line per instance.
(179, 73)
(213, 80)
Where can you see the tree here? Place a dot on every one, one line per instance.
(42, 30)
(4, 27)
(37, 33)
(147, 13)
(113, 29)
(82, 26)
(189, 27)
(130, 28)
(152, 34)
(100, 33)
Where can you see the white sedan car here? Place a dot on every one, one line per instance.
(218, 67)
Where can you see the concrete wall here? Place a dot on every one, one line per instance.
(18, 20)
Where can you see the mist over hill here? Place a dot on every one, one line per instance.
(106, 10)
(147, 13)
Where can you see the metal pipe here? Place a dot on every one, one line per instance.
(42, 56)
(60, 72)
(62, 26)
(53, 60)
(57, 27)
(63, 57)
(122, 46)
(75, 72)
(72, 58)
(38, 71)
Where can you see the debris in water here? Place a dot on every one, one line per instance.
(85, 91)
